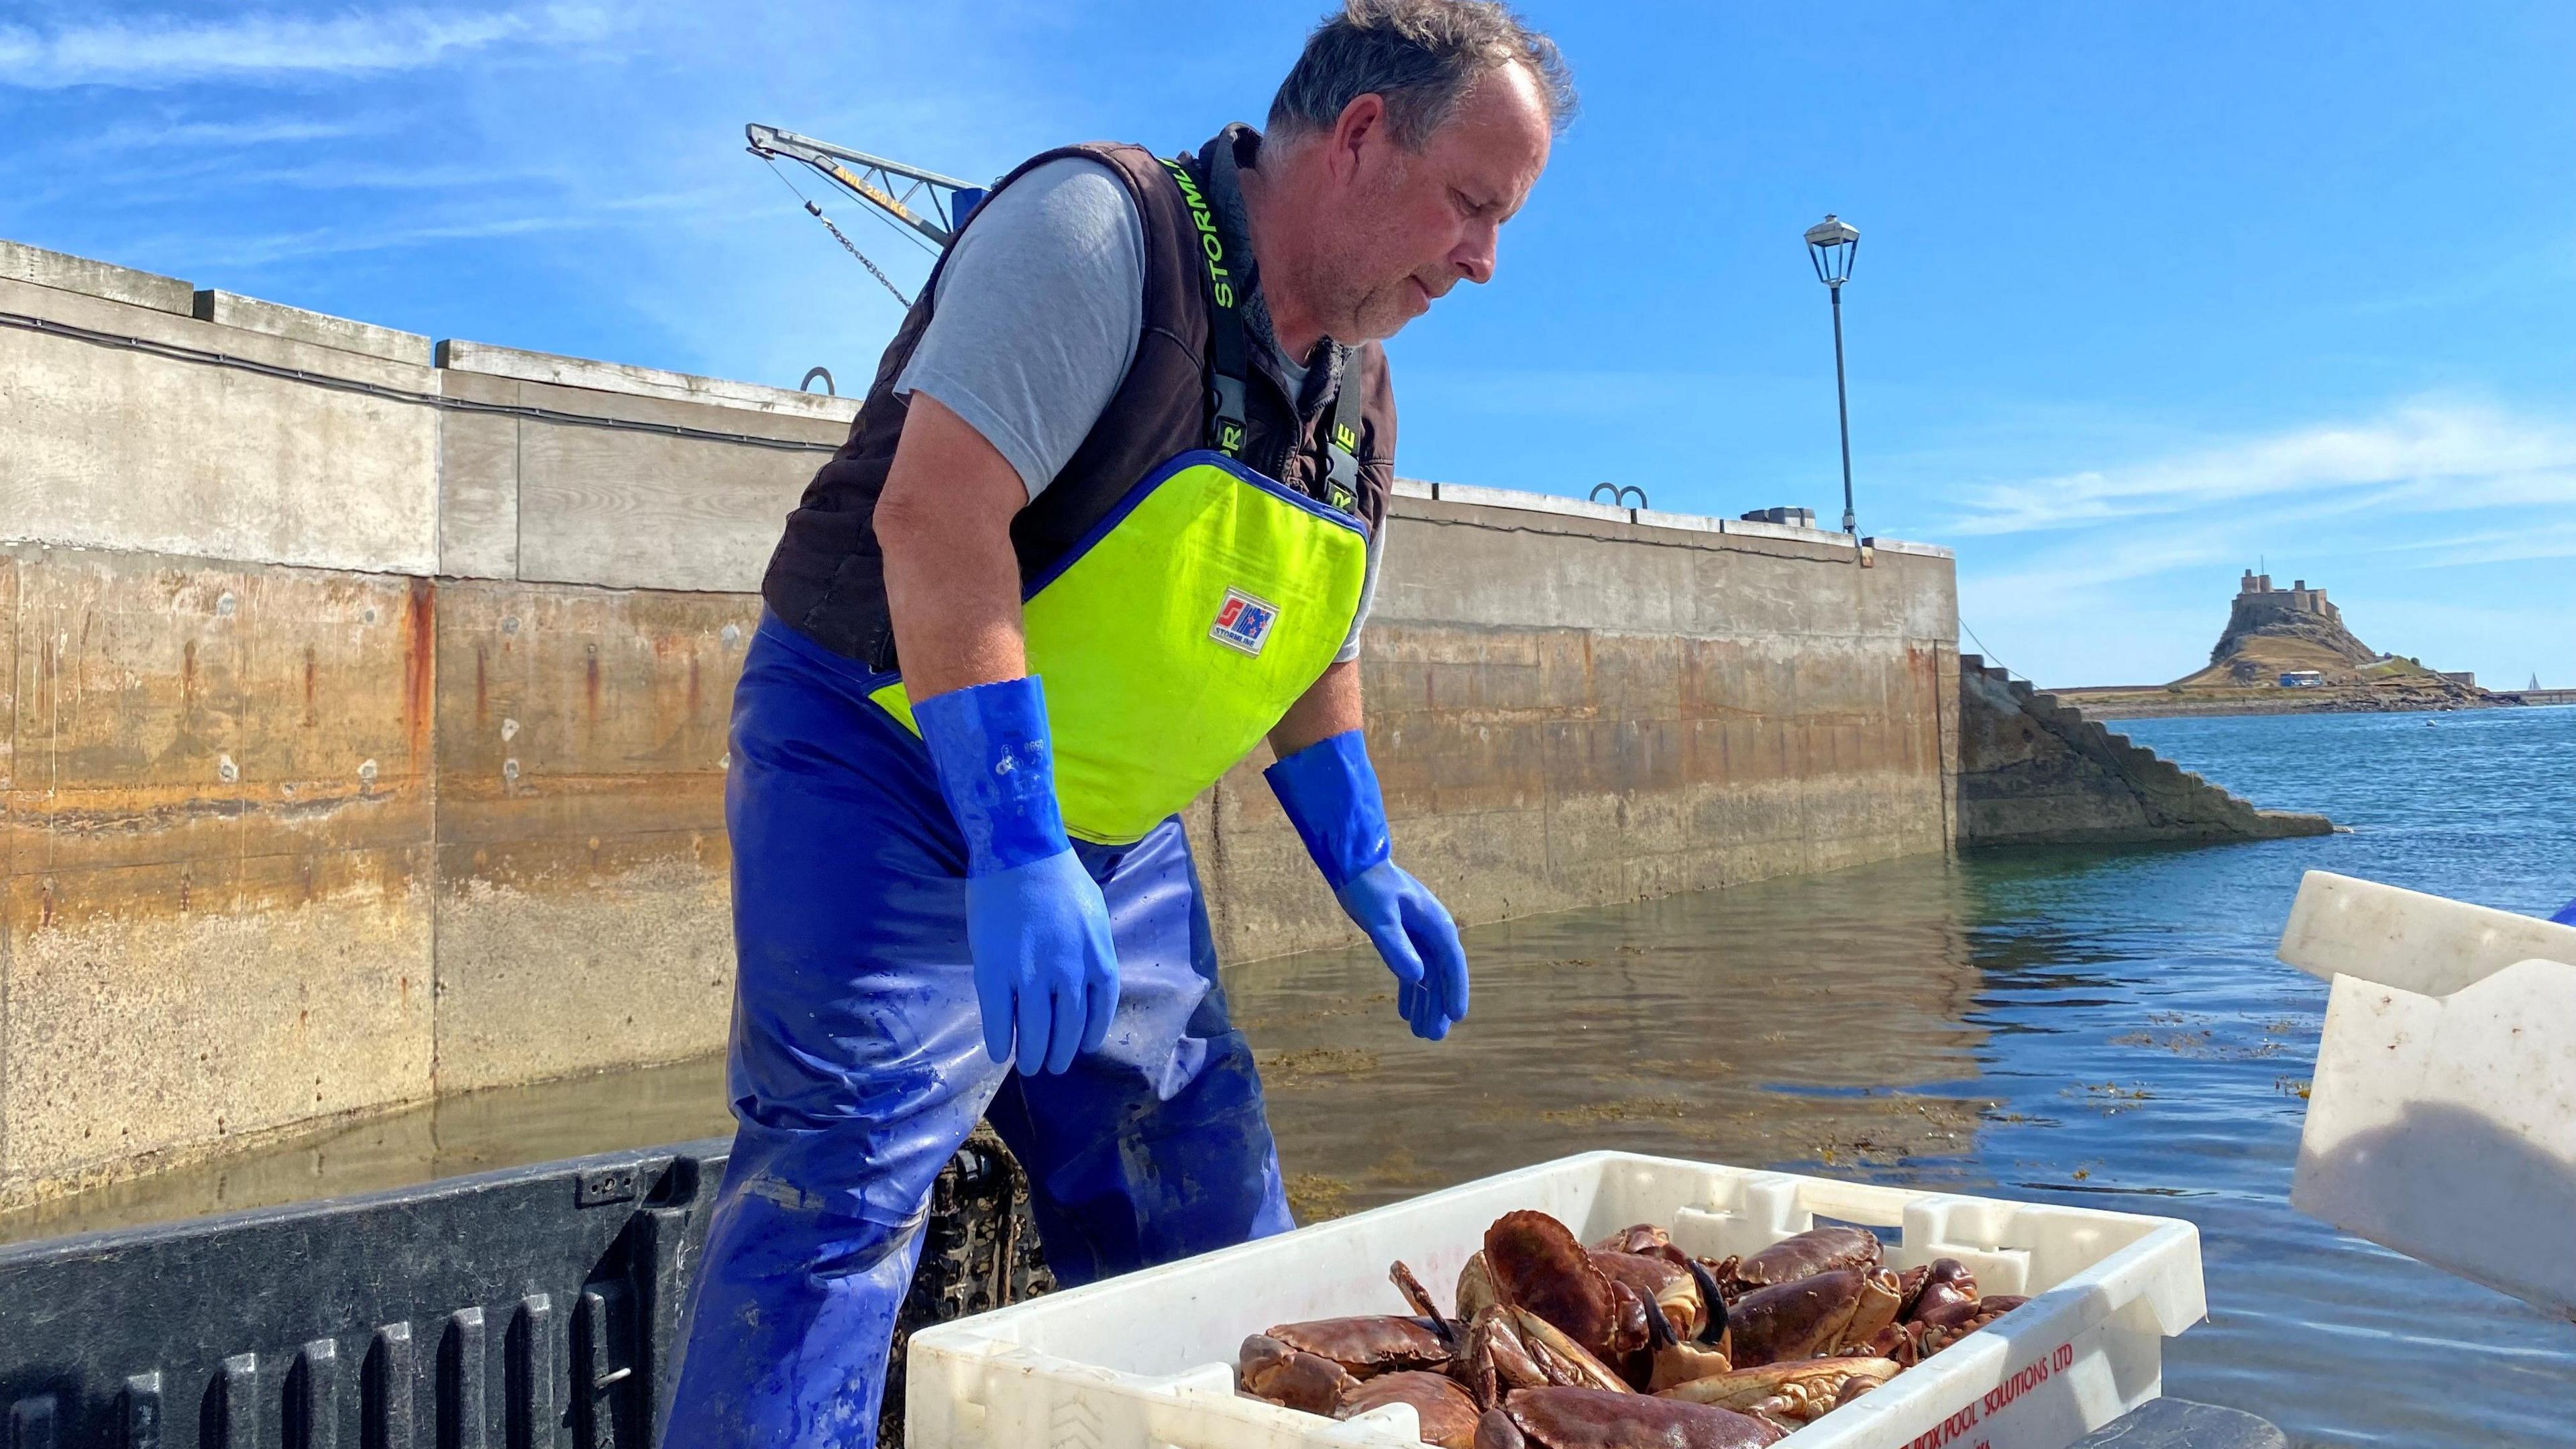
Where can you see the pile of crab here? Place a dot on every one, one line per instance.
(1629, 1341)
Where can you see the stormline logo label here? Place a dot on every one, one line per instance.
(1243, 622)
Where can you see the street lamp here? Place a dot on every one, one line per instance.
(1832, 244)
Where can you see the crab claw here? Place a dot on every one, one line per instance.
(1475, 1288)
(1419, 1299)
(1715, 1328)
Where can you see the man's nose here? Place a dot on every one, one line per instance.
(1475, 258)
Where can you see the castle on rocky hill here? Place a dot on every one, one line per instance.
(2288, 650)
(2295, 638)
(2297, 612)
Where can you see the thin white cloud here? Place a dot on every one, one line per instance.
(260, 250)
(358, 175)
(2420, 457)
(173, 49)
(224, 135)
(2490, 546)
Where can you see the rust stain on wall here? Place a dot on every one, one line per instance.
(253, 786)
(230, 768)
(420, 663)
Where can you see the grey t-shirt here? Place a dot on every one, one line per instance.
(1038, 311)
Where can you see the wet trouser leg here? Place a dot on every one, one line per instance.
(858, 1067)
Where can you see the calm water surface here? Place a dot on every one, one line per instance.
(2102, 1028)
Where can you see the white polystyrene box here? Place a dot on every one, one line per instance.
(1146, 1360)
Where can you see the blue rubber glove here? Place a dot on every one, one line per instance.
(1036, 925)
(1330, 792)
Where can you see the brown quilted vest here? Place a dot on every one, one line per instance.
(827, 577)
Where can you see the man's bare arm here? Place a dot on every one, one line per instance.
(1330, 706)
(952, 581)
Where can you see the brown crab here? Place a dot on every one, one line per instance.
(1493, 1360)
(1682, 1289)
(1644, 1238)
(1941, 1329)
(1670, 1359)
(1513, 1348)
(1446, 1412)
(1931, 1331)
(1562, 1418)
(1800, 1255)
(1537, 1265)
(1789, 1393)
(1313, 1365)
(1270, 1370)
(1819, 1314)
(1946, 1282)
(1369, 1345)
(1567, 1363)
(1909, 1287)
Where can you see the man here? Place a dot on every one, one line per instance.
(1109, 516)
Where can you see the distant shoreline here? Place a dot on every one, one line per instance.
(2155, 703)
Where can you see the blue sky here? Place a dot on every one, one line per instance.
(2146, 292)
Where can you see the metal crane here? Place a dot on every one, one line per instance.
(926, 207)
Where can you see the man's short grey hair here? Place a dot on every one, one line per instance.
(1423, 56)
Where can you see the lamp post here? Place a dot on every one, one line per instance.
(1831, 244)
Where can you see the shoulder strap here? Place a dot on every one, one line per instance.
(1342, 485)
(1227, 356)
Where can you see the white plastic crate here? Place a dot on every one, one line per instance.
(1147, 1360)
(2442, 1116)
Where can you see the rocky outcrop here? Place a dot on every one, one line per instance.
(2286, 651)
(2297, 613)
(2035, 771)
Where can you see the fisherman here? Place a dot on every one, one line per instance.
(1111, 514)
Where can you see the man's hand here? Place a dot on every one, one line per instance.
(1044, 968)
(1330, 792)
(1417, 940)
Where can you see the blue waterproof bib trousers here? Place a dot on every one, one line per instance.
(858, 1067)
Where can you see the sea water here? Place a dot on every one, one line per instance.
(2105, 1027)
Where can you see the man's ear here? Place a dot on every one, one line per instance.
(1361, 125)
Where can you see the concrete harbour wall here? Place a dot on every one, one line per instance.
(1570, 708)
(362, 720)
(2034, 770)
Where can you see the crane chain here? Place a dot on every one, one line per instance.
(852, 248)
(837, 235)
